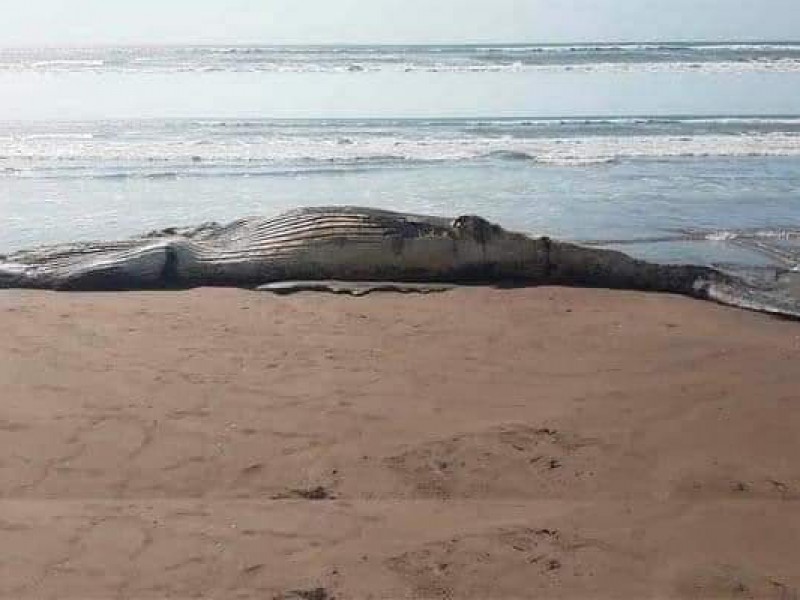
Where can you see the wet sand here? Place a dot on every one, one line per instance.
(481, 444)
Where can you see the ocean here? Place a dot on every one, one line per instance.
(673, 152)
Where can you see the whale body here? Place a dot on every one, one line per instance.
(362, 245)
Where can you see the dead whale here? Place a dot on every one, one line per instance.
(362, 245)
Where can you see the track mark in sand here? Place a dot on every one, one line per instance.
(96, 451)
(728, 581)
(13, 426)
(253, 569)
(178, 414)
(311, 594)
(103, 550)
(714, 485)
(501, 562)
(315, 493)
(507, 461)
(252, 469)
(12, 527)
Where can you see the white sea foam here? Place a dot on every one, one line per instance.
(761, 57)
(575, 151)
(60, 136)
(779, 234)
(720, 236)
(67, 64)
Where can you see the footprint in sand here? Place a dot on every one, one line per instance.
(731, 582)
(716, 485)
(516, 461)
(501, 562)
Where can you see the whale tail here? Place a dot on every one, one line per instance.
(593, 267)
(778, 294)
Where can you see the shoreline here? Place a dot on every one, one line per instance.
(563, 442)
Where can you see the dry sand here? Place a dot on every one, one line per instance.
(482, 444)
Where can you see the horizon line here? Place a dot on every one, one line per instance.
(580, 117)
(472, 43)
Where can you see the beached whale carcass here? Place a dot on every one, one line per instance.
(346, 244)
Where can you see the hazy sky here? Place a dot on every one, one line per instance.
(52, 22)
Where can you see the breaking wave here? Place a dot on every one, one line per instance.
(363, 59)
(198, 148)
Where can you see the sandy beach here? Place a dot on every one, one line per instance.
(479, 443)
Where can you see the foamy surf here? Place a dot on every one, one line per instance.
(677, 57)
(193, 148)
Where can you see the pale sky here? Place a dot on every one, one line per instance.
(78, 22)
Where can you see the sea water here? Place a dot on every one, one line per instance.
(672, 152)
